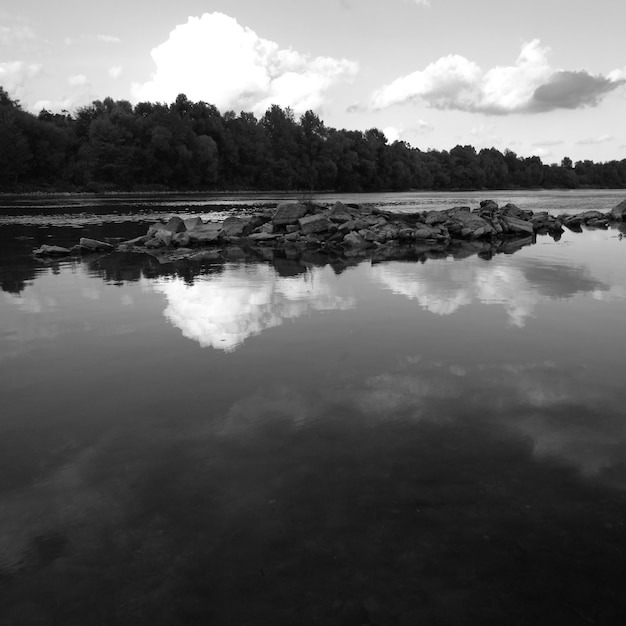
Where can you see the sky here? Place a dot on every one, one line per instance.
(539, 77)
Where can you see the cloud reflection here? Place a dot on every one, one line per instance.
(443, 287)
(222, 311)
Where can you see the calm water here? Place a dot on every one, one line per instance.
(312, 440)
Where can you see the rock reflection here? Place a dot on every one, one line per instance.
(222, 311)
(444, 286)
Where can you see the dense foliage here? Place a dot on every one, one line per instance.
(112, 145)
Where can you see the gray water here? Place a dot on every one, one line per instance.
(312, 440)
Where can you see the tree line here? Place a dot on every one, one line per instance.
(111, 145)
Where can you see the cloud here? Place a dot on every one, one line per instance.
(224, 311)
(108, 38)
(11, 35)
(115, 71)
(77, 80)
(13, 75)
(215, 59)
(392, 133)
(529, 86)
(595, 140)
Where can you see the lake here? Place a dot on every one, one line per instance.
(308, 439)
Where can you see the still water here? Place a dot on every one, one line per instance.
(312, 440)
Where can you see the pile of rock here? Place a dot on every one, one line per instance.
(348, 226)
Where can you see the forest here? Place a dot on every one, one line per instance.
(114, 146)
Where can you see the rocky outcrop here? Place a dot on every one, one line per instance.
(350, 228)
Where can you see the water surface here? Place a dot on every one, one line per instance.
(309, 440)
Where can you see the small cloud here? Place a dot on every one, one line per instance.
(549, 142)
(108, 38)
(423, 127)
(252, 73)
(392, 133)
(77, 80)
(115, 71)
(70, 41)
(529, 86)
(541, 151)
(11, 35)
(594, 140)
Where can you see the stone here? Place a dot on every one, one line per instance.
(293, 236)
(359, 224)
(311, 224)
(205, 234)
(46, 250)
(426, 232)
(233, 226)
(435, 217)
(339, 213)
(173, 226)
(192, 222)
(288, 213)
(292, 228)
(516, 226)
(591, 215)
(181, 239)
(462, 223)
(489, 205)
(354, 240)
(155, 243)
(511, 210)
(165, 236)
(346, 227)
(618, 213)
(137, 241)
(268, 228)
(262, 236)
(94, 245)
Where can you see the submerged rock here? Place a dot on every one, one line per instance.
(46, 250)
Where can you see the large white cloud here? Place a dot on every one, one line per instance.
(215, 59)
(528, 86)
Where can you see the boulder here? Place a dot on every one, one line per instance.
(516, 226)
(181, 239)
(489, 205)
(165, 236)
(233, 226)
(312, 224)
(435, 217)
(192, 222)
(173, 226)
(618, 213)
(339, 213)
(288, 213)
(46, 250)
(262, 236)
(354, 240)
(93, 245)
(462, 223)
(205, 234)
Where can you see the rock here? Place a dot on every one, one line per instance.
(339, 213)
(192, 222)
(359, 224)
(94, 245)
(585, 216)
(46, 250)
(311, 224)
(354, 240)
(426, 232)
(262, 236)
(292, 228)
(164, 236)
(462, 223)
(435, 217)
(269, 228)
(516, 226)
(346, 227)
(233, 226)
(257, 219)
(293, 236)
(288, 213)
(155, 243)
(137, 241)
(618, 213)
(173, 226)
(205, 234)
(181, 239)
(489, 205)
